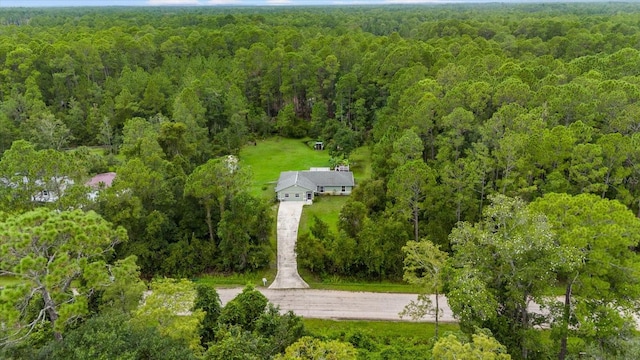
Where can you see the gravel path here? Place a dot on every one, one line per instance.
(332, 304)
(289, 213)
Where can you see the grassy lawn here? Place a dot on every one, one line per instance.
(268, 158)
(327, 208)
(360, 160)
(237, 280)
(377, 329)
(354, 285)
(272, 156)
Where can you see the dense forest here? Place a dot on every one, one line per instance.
(487, 125)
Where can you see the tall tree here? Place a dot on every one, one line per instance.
(408, 186)
(424, 266)
(600, 270)
(61, 259)
(34, 178)
(308, 348)
(215, 183)
(244, 231)
(500, 265)
(481, 347)
(169, 308)
(47, 132)
(207, 300)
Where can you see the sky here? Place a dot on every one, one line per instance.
(56, 3)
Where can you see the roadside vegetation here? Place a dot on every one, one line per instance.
(373, 339)
(381, 331)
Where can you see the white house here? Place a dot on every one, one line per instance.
(304, 185)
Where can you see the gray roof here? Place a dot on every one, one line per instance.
(312, 179)
(291, 178)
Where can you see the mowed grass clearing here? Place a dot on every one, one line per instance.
(326, 208)
(268, 158)
(345, 284)
(360, 160)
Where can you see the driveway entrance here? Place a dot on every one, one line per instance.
(289, 213)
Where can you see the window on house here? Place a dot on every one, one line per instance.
(344, 188)
(297, 195)
(286, 195)
(321, 188)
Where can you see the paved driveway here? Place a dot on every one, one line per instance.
(289, 213)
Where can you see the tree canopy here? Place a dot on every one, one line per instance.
(469, 112)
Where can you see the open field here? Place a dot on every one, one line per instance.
(268, 158)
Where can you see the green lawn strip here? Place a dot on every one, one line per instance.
(236, 280)
(380, 330)
(268, 158)
(327, 208)
(384, 287)
(360, 163)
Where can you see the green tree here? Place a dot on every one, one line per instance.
(424, 266)
(215, 183)
(126, 289)
(279, 330)
(60, 258)
(8, 133)
(235, 343)
(112, 336)
(169, 308)
(207, 300)
(458, 129)
(352, 218)
(308, 348)
(245, 309)
(600, 270)
(244, 231)
(406, 148)
(500, 265)
(408, 187)
(47, 132)
(481, 347)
